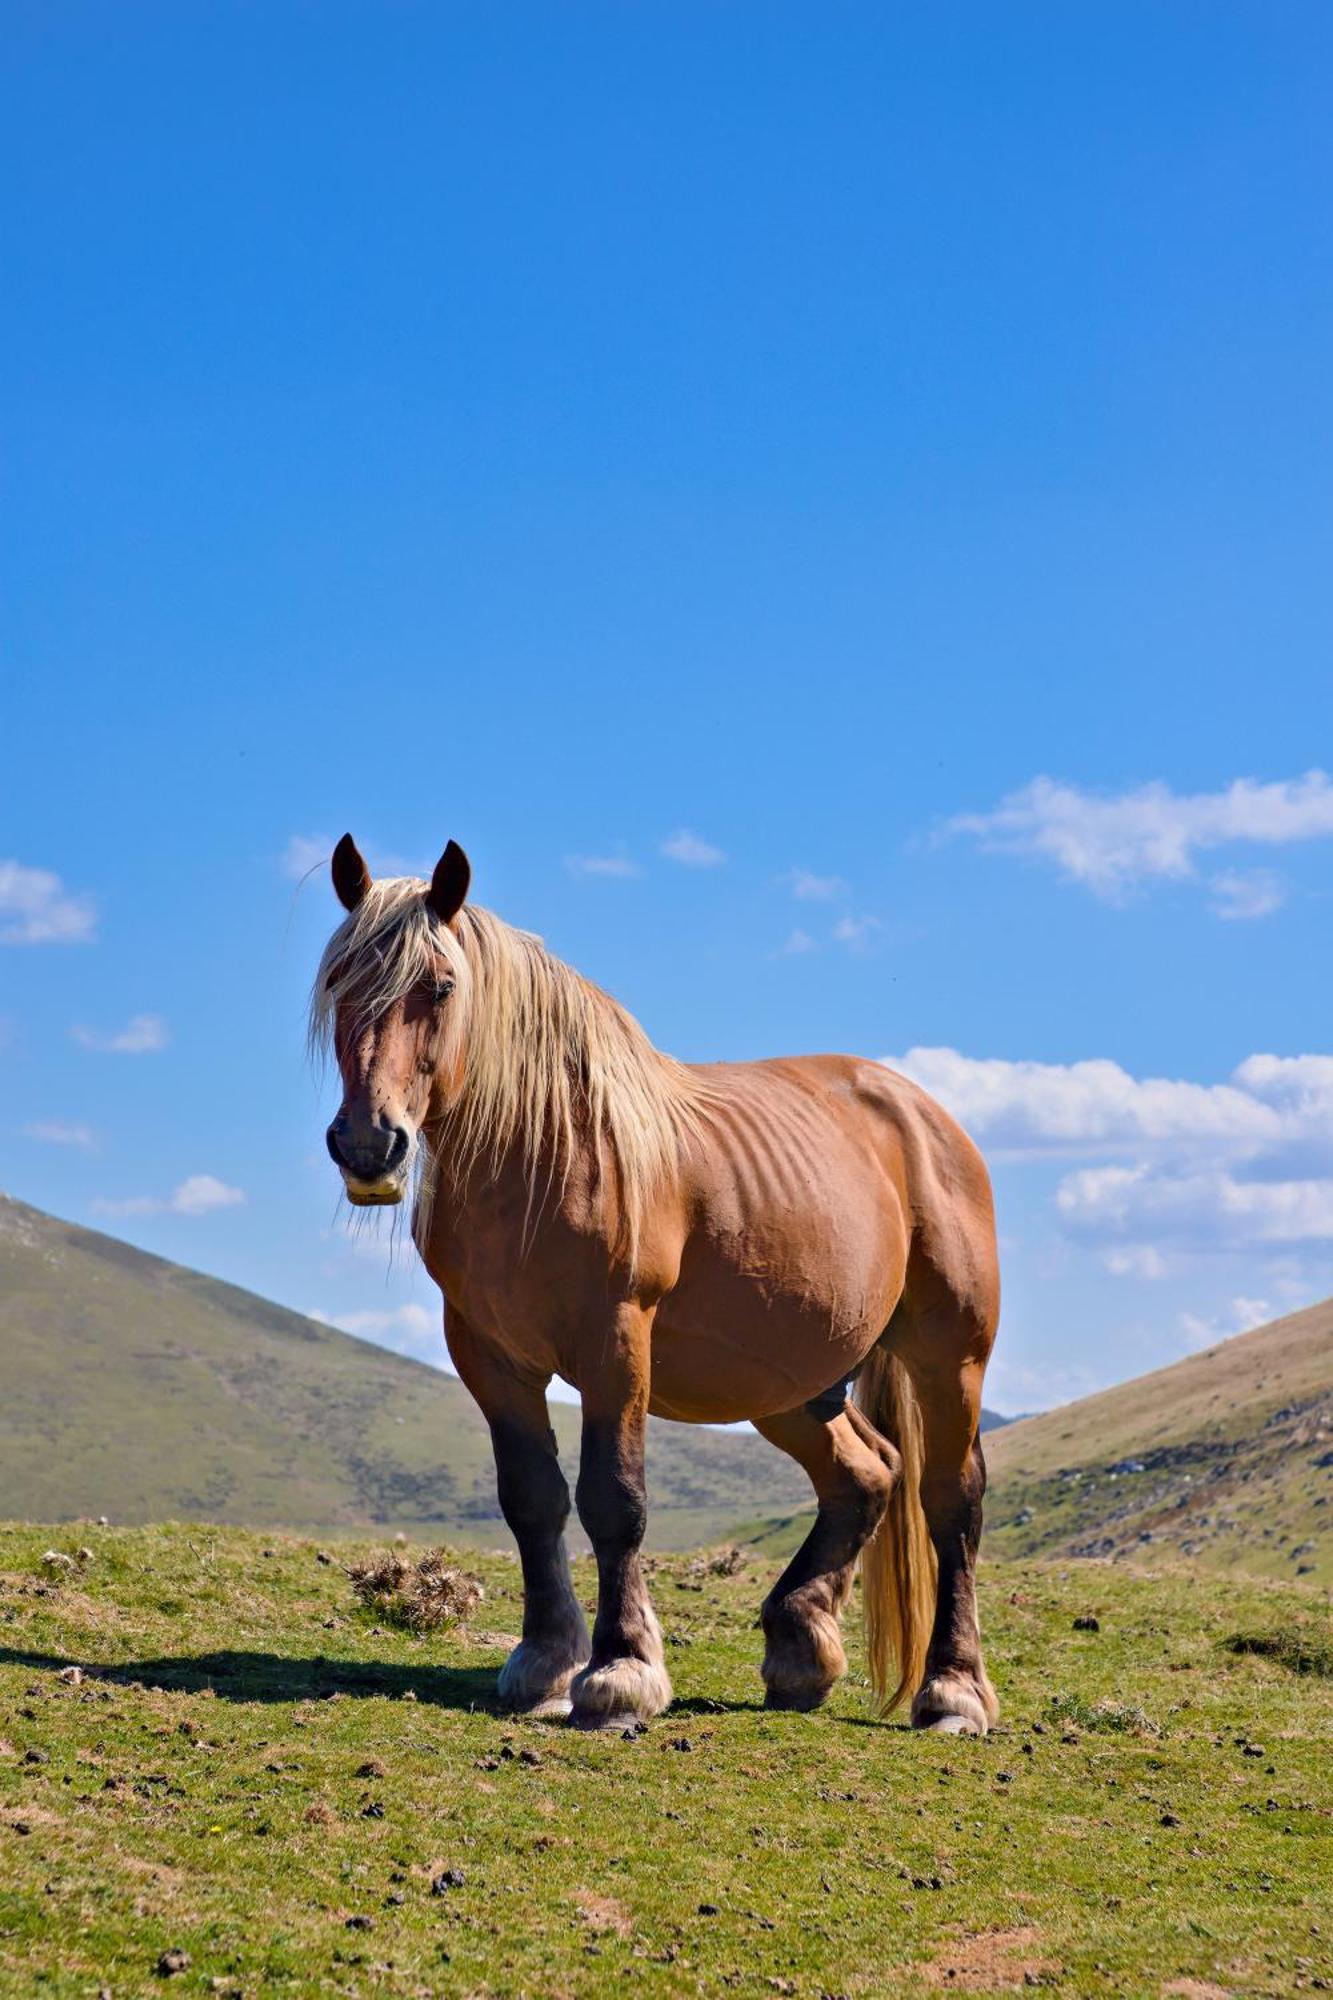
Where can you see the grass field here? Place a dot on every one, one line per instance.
(251, 1774)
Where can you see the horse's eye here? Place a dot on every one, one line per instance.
(443, 988)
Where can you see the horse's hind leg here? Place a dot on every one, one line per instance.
(852, 1478)
(944, 1343)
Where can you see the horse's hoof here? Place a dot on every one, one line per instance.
(796, 1700)
(554, 1710)
(619, 1693)
(531, 1682)
(953, 1704)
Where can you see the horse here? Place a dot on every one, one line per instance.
(807, 1242)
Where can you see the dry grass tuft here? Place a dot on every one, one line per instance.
(419, 1596)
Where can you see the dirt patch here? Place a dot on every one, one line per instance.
(603, 1913)
(991, 1962)
(1196, 1989)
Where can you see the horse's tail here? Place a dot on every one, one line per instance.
(898, 1569)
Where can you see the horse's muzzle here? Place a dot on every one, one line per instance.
(371, 1159)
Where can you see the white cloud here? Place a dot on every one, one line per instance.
(143, 1034)
(795, 945)
(407, 1329)
(55, 1132)
(1240, 896)
(1111, 844)
(36, 908)
(1136, 1260)
(856, 932)
(1209, 1170)
(1082, 1106)
(198, 1194)
(304, 853)
(1242, 1316)
(691, 851)
(617, 866)
(807, 887)
(202, 1193)
(1204, 1210)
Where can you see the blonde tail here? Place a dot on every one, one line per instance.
(898, 1568)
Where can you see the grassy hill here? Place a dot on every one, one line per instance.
(248, 1770)
(143, 1391)
(1224, 1460)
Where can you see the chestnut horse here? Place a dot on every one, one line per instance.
(706, 1243)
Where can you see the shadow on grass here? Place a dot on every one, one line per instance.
(276, 1677)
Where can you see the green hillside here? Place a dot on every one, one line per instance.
(1224, 1460)
(143, 1391)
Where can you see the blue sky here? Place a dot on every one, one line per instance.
(887, 447)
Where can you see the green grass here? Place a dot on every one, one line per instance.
(248, 1774)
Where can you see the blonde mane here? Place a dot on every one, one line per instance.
(546, 1060)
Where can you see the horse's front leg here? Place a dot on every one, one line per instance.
(534, 1500)
(626, 1679)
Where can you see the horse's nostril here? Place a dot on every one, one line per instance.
(367, 1153)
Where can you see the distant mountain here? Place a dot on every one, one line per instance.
(1224, 1460)
(138, 1389)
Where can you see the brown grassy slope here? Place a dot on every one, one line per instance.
(1224, 1459)
(138, 1389)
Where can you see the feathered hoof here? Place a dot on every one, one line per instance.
(798, 1700)
(954, 1705)
(536, 1683)
(621, 1692)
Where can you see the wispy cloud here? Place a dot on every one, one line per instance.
(304, 853)
(407, 1329)
(1112, 844)
(1062, 1108)
(1238, 896)
(807, 887)
(856, 933)
(55, 1132)
(618, 867)
(1240, 1317)
(795, 945)
(690, 851)
(198, 1194)
(36, 908)
(1203, 1210)
(1195, 1169)
(142, 1035)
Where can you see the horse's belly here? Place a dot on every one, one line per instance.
(749, 1331)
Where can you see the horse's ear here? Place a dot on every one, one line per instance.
(449, 884)
(351, 877)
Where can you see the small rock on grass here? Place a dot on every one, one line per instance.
(172, 1961)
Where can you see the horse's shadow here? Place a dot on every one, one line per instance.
(278, 1677)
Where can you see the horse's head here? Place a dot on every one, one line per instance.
(384, 992)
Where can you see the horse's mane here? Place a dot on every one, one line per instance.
(545, 1058)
